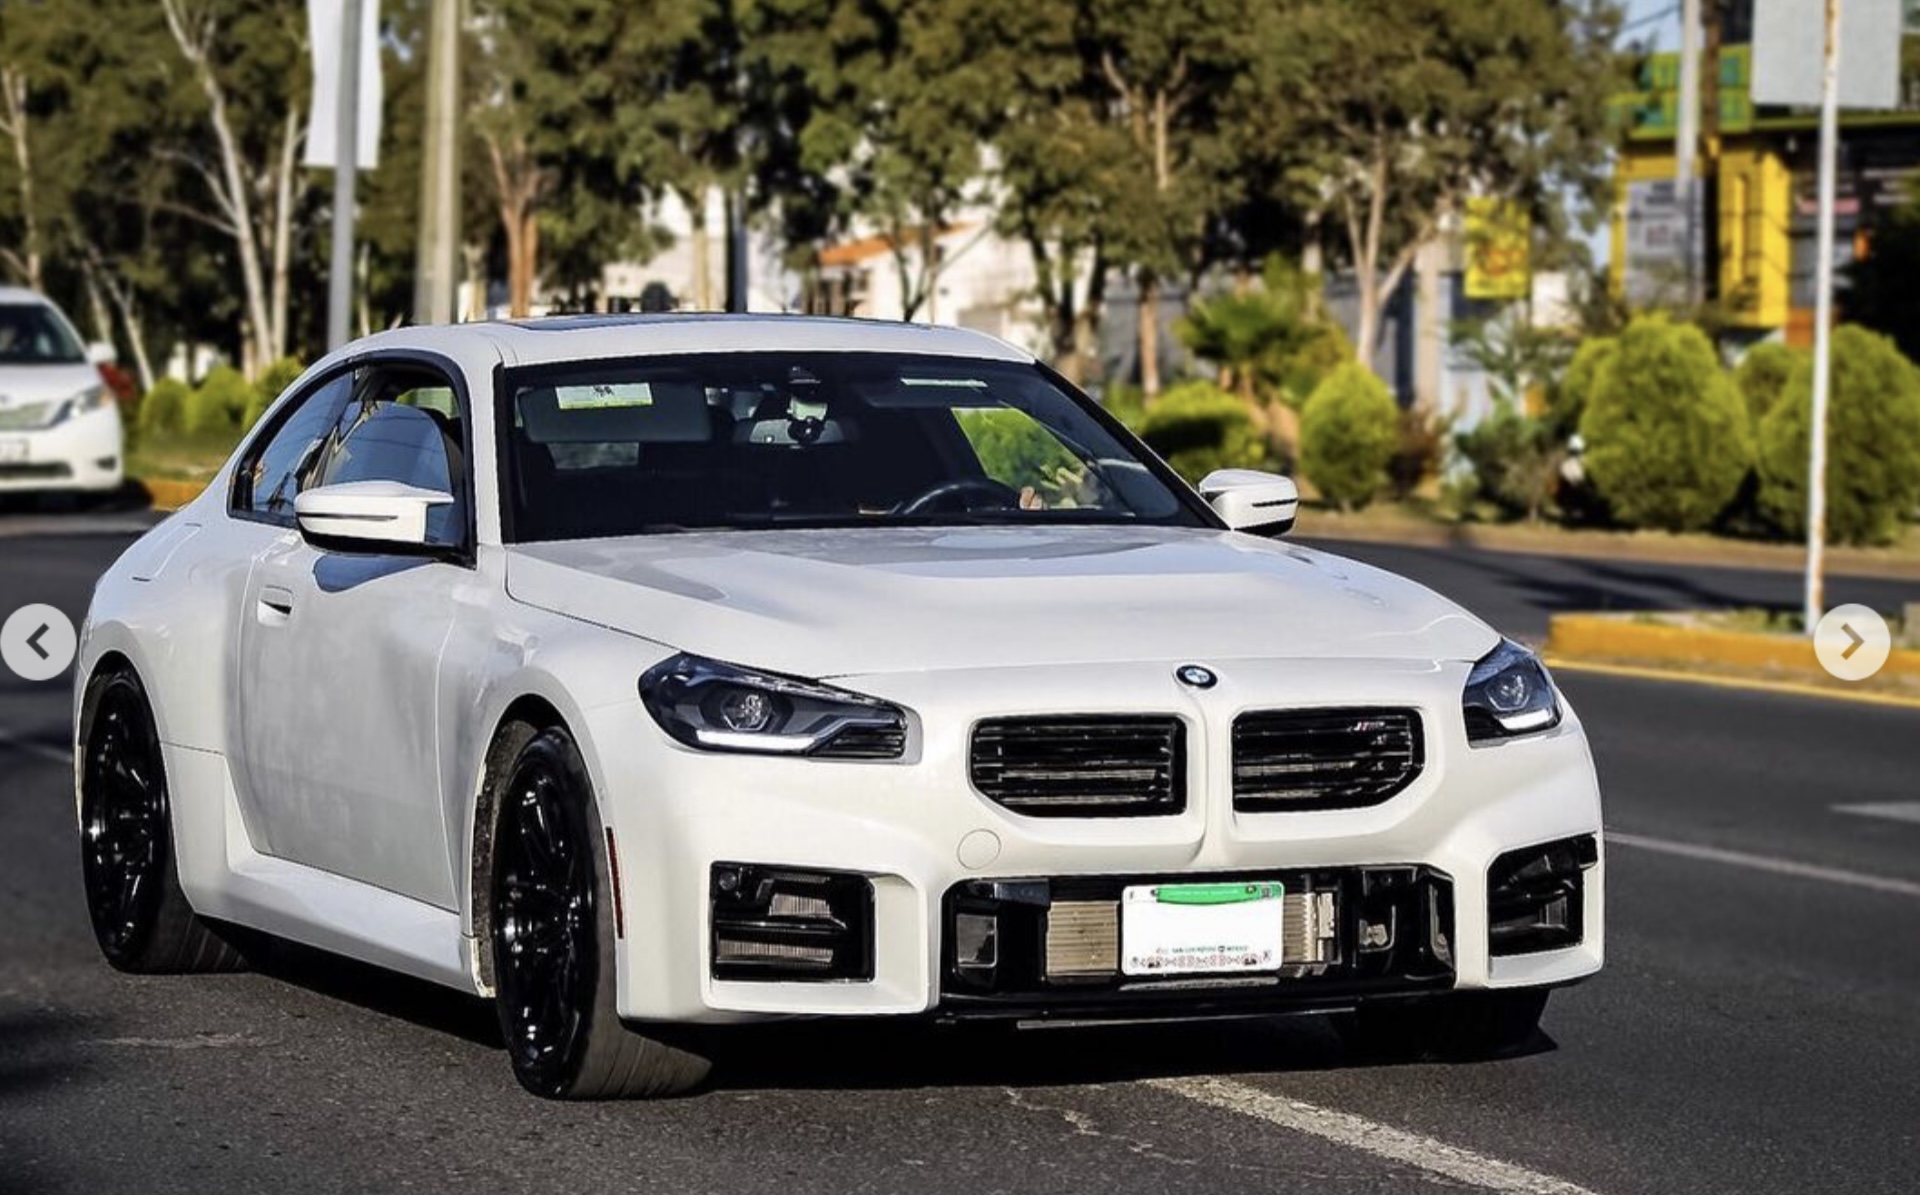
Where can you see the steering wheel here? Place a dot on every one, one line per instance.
(934, 498)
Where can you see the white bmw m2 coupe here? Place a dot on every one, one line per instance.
(646, 674)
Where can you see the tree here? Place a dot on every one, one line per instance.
(1347, 436)
(256, 51)
(1873, 443)
(1198, 427)
(1258, 333)
(1668, 438)
(1410, 106)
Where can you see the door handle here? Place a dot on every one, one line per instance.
(276, 603)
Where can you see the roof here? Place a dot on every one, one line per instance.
(590, 337)
(848, 253)
(20, 294)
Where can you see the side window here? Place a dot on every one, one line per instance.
(1021, 453)
(402, 425)
(284, 465)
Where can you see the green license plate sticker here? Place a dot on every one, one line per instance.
(1217, 894)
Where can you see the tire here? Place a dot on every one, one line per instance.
(553, 939)
(1458, 1027)
(141, 919)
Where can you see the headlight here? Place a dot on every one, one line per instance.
(1509, 693)
(719, 707)
(90, 399)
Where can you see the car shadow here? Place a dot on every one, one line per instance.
(387, 993)
(836, 1056)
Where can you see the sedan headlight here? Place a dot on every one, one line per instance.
(719, 707)
(1509, 693)
(90, 399)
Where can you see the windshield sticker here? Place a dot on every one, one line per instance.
(615, 394)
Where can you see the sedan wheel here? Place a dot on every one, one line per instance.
(553, 936)
(140, 917)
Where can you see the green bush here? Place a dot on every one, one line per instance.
(1515, 460)
(164, 409)
(1567, 402)
(1873, 443)
(1763, 374)
(219, 402)
(1668, 441)
(1348, 434)
(269, 386)
(1199, 427)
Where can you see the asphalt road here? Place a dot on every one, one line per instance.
(1757, 1028)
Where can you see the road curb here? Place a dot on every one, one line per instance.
(1734, 659)
(1592, 545)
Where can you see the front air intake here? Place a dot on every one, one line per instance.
(1287, 761)
(1082, 765)
(775, 924)
(1536, 897)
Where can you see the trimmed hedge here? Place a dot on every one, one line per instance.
(1668, 439)
(164, 409)
(1348, 434)
(1763, 374)
(1567, 402)
(1873, 443)
(219, 403)
(1198, 427)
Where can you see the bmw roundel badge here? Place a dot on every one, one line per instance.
(1195, 676)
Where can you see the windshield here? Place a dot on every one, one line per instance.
(31, 334)
(743, 440)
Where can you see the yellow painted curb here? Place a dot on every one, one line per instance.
(172, 495)
(1608, 638)
(1747, 684)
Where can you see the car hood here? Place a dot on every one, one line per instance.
(23, 384)
(837, 603)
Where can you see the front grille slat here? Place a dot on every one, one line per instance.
(1082, 766)
(1349, 758)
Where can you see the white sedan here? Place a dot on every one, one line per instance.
(652, 674)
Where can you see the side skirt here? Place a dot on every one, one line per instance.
(225, 878)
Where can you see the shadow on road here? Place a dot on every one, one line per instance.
(387, 993)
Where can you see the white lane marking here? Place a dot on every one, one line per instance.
(1368, 1136)
(1768, 863)
(34, 747)
(1898, 811)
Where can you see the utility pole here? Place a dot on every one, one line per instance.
(736, 250)
(1686, 145)
(436, 259)
(346, 171)
(1823, 319)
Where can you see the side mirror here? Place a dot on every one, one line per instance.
(1252, 501)
(101, 353)
(368, 516)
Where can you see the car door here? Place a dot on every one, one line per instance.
(337, 671)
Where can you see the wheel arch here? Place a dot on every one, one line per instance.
(525, 716)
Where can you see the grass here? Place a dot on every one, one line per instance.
(177, 456)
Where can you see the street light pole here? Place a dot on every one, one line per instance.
(1823, 318)
(1686, 145)
(435, 261)
(345, 179)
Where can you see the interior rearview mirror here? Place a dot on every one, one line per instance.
(367, 516)
(1252, 501)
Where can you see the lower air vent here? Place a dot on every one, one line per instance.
(1082, 766)
(1536, 897)
(775, 924)
(1293, 760)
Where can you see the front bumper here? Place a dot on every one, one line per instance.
(927, 843)
(85, 452)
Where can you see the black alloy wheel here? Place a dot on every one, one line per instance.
(141, 918)
(124, 833)
(553, 935)
(543, 922)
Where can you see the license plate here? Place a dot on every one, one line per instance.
(13, 451)
(1190, 929)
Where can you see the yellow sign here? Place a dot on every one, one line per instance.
(1499, 245)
